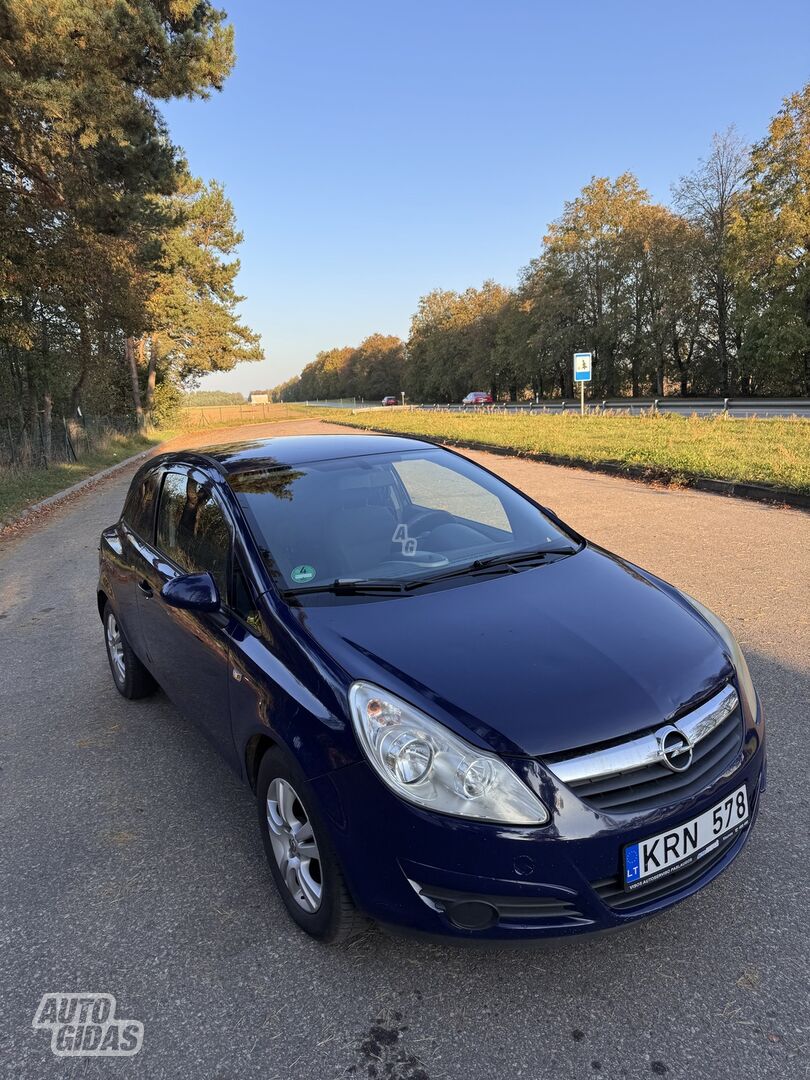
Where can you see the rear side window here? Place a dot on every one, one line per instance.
(139, 509)
(192, 530)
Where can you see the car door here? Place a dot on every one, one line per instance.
(188, 650)
(256, 669)
(136, 530)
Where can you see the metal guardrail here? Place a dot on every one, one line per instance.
(736, 407)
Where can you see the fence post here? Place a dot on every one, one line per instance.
(69, 445)
(725, 405)
(43, 460)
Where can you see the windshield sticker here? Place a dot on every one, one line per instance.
(302, 573)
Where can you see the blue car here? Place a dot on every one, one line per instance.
(459, 717)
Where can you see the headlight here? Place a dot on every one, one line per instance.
(746, 686)
(427, 764)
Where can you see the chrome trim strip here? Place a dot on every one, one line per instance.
(646, 750)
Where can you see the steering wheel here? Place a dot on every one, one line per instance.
(428, 520)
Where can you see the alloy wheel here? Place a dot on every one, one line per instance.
(294, 846)
(115, 647)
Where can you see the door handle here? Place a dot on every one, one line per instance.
(145, 588)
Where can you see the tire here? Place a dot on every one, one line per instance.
(312, 888)
(131, 678)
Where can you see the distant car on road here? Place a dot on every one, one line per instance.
(478, 397)
(319, 607)
(389, 400)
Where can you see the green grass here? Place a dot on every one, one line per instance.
(23, 486)
(773, 452)
(755, 450)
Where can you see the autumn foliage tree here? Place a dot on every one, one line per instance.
(708, 296)
(771, 230)
(370, 370)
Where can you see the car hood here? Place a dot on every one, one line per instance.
(574, 652)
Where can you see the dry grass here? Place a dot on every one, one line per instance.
(197, 418)
(755, 450)
(20, 487)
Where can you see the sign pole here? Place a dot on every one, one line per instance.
(582, 374)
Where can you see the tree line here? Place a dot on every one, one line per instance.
(201, 398)
(117, 265)
(708, 296)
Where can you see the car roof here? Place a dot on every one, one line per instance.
(294, 450)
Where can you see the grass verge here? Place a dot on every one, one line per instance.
(21, 487)
(757, 451)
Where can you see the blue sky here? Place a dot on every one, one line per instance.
(374, 151)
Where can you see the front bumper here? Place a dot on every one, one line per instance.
(439, 875)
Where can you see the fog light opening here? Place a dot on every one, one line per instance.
(472, 915)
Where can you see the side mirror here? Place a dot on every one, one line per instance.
(192, 592)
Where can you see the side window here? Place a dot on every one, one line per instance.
(433, 486)
(139, 509)
(191, 529)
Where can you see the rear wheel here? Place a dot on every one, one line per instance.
(131, 678)
(299, 851)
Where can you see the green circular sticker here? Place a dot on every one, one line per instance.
(302, 573)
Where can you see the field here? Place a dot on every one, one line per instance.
(775, 452)
(195, 417)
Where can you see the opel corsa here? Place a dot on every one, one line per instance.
(458, 715)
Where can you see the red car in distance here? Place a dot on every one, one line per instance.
(389, 400)
(478, 397)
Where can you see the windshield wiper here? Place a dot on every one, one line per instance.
(507, 564)
(389, 587)
(517, 557)
(351, 587)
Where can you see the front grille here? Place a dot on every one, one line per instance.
(611, 890)
(631, 776)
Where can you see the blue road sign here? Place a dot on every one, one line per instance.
(582, 366)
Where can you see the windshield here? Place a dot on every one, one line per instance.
(386, 517)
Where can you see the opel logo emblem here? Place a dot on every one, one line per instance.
(674, 748)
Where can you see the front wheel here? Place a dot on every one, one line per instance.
(300, 854)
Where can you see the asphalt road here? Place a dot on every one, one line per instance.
(130, 860)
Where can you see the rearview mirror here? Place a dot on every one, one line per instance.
(192, 592)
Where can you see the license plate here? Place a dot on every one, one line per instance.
(660, 855)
